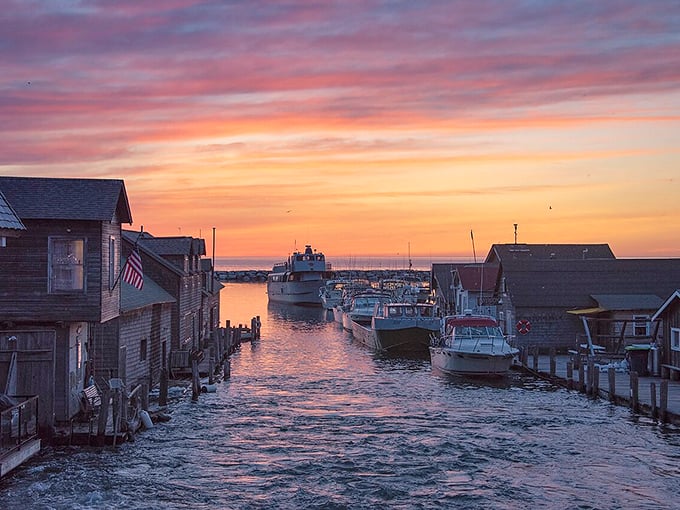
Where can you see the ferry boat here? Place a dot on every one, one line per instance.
(297, 281)
(472, 345)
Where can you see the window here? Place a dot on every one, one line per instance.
(112, 262)
(675, 339)
(142, 350)
(641, 325)
(66, 269)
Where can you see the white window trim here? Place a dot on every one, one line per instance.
(675, 339)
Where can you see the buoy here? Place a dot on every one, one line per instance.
(209, 388)
(146, 419)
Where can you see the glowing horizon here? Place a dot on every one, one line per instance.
(357, 127)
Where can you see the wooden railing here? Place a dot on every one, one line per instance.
(18, 424)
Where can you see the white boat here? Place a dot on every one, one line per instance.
(297, 280)
(335, 291)
(401, 328)
(471, 344)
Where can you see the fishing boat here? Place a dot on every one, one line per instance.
(472, 345)
(361, 307)
(337, 290)
(297, 281)
(401, 327)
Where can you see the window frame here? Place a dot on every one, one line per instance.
(675, 339)
(52, 287)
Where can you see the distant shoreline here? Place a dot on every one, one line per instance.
(341, 263)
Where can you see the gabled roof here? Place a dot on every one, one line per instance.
(10, 224)
(569, 284)
(622, 302)
(133, 238)
(442, 276)
(515, 251)
(178, 245)
(151, 293)
(45, 198)
(673, 297)
(476, 276)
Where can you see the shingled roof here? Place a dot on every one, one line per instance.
(570, 284)
(474, 276)
(518, 251)
(151, 293)
(67, 199)
(179, 245)
(10, 224)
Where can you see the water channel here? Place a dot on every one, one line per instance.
(309, 419)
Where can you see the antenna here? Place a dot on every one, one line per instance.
(410, 265)
(515, 232)
(474, 255)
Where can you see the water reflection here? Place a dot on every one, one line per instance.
(311, 420)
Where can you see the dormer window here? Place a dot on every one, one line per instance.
(66, 265)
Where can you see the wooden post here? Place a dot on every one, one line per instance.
(536, 358)
(227, 369)
(163, 388)
(195, 380)
(116, 413)
(553, 362)
(611, 374)
(211, 372)
(145, 396)
(663, 400)
(634, 393)
(652, 396)
(103, 416)
(570, 375)
(581, 378)
(596, 382)
(589, 378)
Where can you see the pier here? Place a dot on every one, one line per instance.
(651, 395)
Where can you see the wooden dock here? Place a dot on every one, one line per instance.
(648, 395)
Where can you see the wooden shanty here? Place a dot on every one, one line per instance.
(58, 282)
(538, 285)
(668, 338)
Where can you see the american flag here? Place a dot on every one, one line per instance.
(132, 272)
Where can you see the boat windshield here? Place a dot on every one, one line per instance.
(479, 331)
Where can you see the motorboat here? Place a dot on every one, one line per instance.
(361, 307)
(400, 327)
(297, 280)
(471, 344)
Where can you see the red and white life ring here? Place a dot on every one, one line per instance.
(523, 326)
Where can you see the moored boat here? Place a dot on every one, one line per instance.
(297, 281)
(471, 344)
(405, 327)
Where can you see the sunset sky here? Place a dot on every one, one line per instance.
(360, 127)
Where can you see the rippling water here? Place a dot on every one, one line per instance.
(311, 420)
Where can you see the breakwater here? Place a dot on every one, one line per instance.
(372, 275)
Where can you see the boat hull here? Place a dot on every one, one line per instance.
(295, 292)
(413, 341)
(454, 361)
(363, 333)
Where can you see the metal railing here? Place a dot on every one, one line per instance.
(18, 424)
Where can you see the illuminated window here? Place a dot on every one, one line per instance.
(66, 266)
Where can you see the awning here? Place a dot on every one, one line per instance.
(587, 311)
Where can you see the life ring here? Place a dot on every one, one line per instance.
(523, 326)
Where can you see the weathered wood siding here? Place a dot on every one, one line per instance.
(103, 350)
(35, 350)
(110, 302)
(24, 272)
(671, 319)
